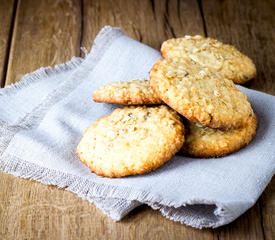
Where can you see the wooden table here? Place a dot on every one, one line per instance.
(48, 32)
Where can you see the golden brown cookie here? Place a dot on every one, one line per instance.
(199, 94)
(132, 140)
(222, 58)
(201, 141)
(133, 92)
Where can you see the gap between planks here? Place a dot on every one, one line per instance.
(7, 49)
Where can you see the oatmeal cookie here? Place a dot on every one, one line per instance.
(199, 94)
(132, 140)
(217, 56)
(201, 141)
(133, 92)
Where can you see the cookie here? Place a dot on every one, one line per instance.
(201, 141)
(199, 94)
(222, 58)
(134, 92)
(132, 140)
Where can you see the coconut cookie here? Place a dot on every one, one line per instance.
(222, 58)
(200, 94)
(134, 92)
(201, 141)
(132, 140)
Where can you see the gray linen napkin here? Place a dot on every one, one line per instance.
(43, 117)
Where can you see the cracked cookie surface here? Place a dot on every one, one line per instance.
(222, 58)
(132, 140)
(201, 141)
(133, 92)
(199, 94)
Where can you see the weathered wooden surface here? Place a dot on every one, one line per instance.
(249, 25)
(267, 201)
(45, 33)
(49, 32)
(7, 9)
(32, 210)
(150, 22)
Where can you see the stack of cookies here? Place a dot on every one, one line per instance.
(190, 105)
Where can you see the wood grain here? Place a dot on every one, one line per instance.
(46, 33)
(49, 32)
(249, 25)
(6, 13)
(150, 22)
(31, 210)
(267, 201)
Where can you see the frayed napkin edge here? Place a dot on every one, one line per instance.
(89, 190)
(40, 74)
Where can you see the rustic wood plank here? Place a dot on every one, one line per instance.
(6, 13)
(268, 210)
(150, 22)
(31, 210)
(249, 25)
(45, 33)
